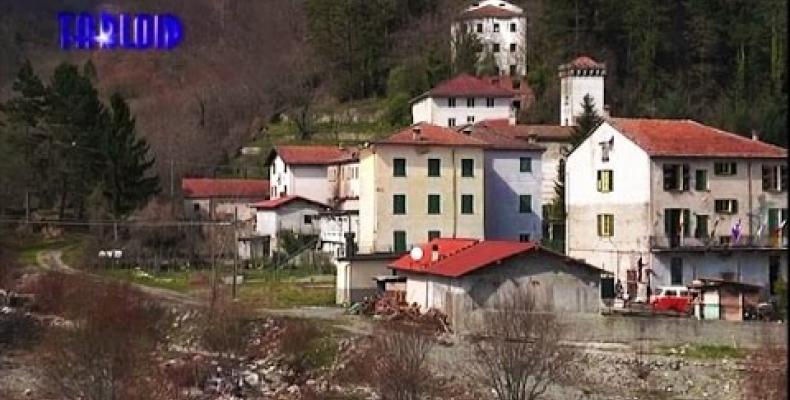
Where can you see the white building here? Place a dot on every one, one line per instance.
(463, 100)
(581, 77)
(501, 28)
(290, 213)
(665, 202)
(222, 199)
(303, 171)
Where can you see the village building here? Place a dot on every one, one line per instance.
(357, 275)
(222, 199)
(304, 171)
(501, 28)
(466, 277)
(579, 78)
(665, 202)
(423, 182)
(463, 100)
(289, 213)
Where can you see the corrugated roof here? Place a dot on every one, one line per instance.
(488, 12)
(468, 85)
(665, 137)
(458, 257)
(314, 154)
(281, 201)
(249, 189)
(428, 134)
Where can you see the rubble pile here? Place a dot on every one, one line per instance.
(388, 308)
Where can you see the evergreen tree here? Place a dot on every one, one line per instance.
(487, 65)
(128, 180)
(466, 47)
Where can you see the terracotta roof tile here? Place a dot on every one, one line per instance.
(539, 132)
(664, 137)
(584, 62)
(250, 189)
(314, 155)
(502, 142)
(489, 12)
(468, 85)
(281, 201)
(429, 134)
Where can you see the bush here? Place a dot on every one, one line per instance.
(226, 327)
(306, 347)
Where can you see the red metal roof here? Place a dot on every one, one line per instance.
(428, 134)
(250, 189)
(665, 137)
(468, 85)
(281, 201)
(314, 155)
(489, 12)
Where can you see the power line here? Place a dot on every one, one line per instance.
(152, 224)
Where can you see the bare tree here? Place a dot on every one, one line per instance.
(518, 352)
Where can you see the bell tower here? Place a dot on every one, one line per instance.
(578, 78)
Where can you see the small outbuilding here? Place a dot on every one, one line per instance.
(360, 275)
(722, 299)
(465, 277)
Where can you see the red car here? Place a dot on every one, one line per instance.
(672, 298)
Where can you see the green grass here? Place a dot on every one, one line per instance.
(280, 294)
(704, 352)
(27, 248)
(176, 281)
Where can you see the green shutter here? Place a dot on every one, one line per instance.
(399, 204)
(399, 241)
(434, 167)
(467, 204)
(433, 204)
(399, 167)
(467, 167)
(701, 180)
(525, 164)
(525, 203)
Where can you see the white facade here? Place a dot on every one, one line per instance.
(503, 34)
(297, 216)
(308, 181)
(333, 228)
(344, 185)
(575, 83)
(440, 111)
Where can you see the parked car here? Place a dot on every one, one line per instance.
(672, 298)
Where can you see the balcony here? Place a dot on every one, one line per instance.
(717, 243)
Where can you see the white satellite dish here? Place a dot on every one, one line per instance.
(416, 253)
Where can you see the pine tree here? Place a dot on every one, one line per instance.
(466, 46)
(128, 180)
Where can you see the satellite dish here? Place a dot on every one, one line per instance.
(416, 253)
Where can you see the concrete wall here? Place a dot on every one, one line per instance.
(550, 161)
(310, 182)
(440, 112)
(343, 181)
(749, 267)
(333, 230)
(504, 183)
(288, 217)
(280, 178)
(572, 92)
(629, 202)
(355, 279)
(218, 208)
(377, 187)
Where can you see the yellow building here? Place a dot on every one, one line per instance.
(423, 182)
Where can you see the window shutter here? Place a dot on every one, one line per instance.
(600, 217)
(783, 179)
(600, 188)
(611, 181)
(686, 223)
(686, 177)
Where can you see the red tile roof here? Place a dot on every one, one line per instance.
(314, 155)
(458, 257)
(250, 189)
(432, 135)
(501, 142)
(665, 137)
(281, 201)
(506, 82)
(584, 62)
(539, 132)
(489, 12)
(468, 85)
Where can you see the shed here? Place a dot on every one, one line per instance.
(356, 275)
(722, 299)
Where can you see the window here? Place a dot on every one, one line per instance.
(399, 204)
(513, 70)
(677, 223)
(701, 227)
(512, 27)
(524, 237)
(773, 274)
(479, 28)
(308, 219)
(701, 180)
(434, 235)
(775, 178)
(451, 102)
(516, 84)
(470, 102)
(196, 208)
(726, 206)
(467, 167)
(676, 271)
(490, 102)
(676, 177)
(605, 181)
(399, 167)
(605, 225)
(525, 164)
(525, 204)
(467, 204)
(495, 48)
(470, 119)
(775, 218)
(724, 168)
(434, 167)
(451, 122)
(496, 27)
(399, 241)
(434, 201)
(512, 47)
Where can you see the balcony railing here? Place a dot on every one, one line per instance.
(718, 242)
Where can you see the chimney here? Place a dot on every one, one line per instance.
(435, 253)
(755, 135)
(467, 130)
(606, 111)
(416, 130)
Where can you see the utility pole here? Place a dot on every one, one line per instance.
(235, 250)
